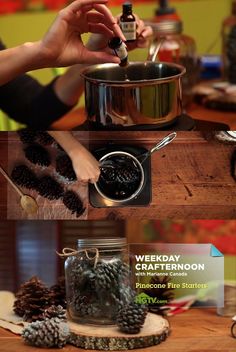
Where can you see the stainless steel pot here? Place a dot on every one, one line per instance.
(142, 93)
(135, 162)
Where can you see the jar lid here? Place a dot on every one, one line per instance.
(95, 242)
(166, 27)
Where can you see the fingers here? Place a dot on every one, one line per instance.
(91, 177)
(79, 4)
(100, 29)
(107, 13)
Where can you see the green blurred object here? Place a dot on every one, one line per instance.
(7, 124)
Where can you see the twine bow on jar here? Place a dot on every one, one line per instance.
(70, 252)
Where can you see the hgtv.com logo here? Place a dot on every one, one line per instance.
(143, 298)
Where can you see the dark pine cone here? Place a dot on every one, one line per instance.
(55, 312)
(64, 167)
(44, 138)
(125, 174)
(37, 154)
(163, 294)
(49, 188)
(27, 136)
(24, 177)
(32, 299)
(131, 317)
(107, 275)
(83, 307)
(58, 293)
(73, 202)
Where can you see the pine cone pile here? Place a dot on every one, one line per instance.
(99, 291)
(48, 333)
(32, 299)
(55, 312)
(37, 154)
(27, 136)
(24, 177)
(84, 307)
(73, 202)
(44, 138)
(64, 167)
(49, 188)
(131, 317)
(58, 293)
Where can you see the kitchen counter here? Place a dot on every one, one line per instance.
(190, 177)
(196, 330)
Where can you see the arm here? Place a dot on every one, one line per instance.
(62, 45)
(85, 165)
(69, 87)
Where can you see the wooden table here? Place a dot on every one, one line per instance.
(190, 177)
(196, 330)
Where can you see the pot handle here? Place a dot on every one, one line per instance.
(166, 140)
(154, 49)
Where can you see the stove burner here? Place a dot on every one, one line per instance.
(181, 123)
(120, 181)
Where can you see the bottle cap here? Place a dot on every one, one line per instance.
(127, 6)
(114, 43)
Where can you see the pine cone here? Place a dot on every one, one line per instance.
(131, 317)
(37, 154)
(106, 275)
(163, 294)
(49, 188)
(65, 168)
(55, 312)
(58, 293)
(73, 202)
(48, 333)
(24, 177)
(32, 299)
(27, 136)
(44, 138)
(83, 307)
(128, 175)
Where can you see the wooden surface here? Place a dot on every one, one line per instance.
(193, 331)
(154, 331)
(190, 177)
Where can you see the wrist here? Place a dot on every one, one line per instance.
(36, 57)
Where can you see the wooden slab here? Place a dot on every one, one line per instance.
(109, 338)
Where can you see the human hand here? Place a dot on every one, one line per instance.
(144, 33)
(62, 45)
(85, 165)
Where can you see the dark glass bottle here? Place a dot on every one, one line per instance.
(119, 49)
(229, 46)
(128, 22)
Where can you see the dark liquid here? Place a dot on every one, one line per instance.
(122, 181)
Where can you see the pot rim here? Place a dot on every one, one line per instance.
(140, 184)
(86, 70)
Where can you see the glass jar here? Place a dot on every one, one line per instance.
(229, 46)
(178, 48)
(97, 280)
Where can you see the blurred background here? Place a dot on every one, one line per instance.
(27, 248)
(201, 24)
